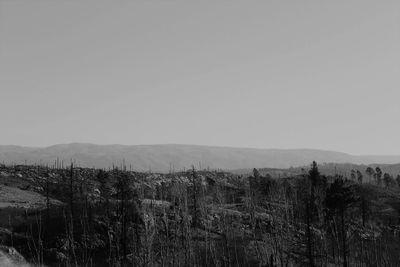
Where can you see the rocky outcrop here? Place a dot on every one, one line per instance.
(10, 257)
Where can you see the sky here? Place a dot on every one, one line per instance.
(262, 74)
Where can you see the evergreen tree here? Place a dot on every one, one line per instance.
(370, 171)
(359, 177)
(388, 180)
(339, 197)
(378, 175)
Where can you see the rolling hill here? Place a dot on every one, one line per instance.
(162, 158)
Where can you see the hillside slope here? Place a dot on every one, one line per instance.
(162, 158)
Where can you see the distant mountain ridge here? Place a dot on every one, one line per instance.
(163, 158)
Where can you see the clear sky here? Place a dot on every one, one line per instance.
(265, 74)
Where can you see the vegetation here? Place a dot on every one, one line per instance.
(93, 217)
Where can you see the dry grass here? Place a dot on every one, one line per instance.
(11, 197)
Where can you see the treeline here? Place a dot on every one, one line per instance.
(377, 176)
(208, 218)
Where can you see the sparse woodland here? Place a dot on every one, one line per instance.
(116, 217)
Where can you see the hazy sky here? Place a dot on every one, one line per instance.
(267, 74)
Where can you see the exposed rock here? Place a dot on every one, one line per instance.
(10, 257)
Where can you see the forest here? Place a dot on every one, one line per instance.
(73, 216)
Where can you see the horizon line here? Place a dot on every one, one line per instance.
(197, 145)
